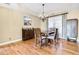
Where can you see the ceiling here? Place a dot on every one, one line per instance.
(50, 8)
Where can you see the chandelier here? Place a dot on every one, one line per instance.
(43, 13)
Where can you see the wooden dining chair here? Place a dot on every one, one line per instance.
(38, 37)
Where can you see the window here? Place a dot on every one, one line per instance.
(56, 22)
(60, 23)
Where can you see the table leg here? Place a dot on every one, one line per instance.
(46, 41)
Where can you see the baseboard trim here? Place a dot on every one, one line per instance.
(10, 42)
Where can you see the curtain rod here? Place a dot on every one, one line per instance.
(57, 15)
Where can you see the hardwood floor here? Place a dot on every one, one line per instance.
(28, 48)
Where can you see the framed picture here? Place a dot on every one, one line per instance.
(27, 20)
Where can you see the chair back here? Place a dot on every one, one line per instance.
(56, 34)
(37, 34)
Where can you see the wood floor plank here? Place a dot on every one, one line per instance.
(28, 48)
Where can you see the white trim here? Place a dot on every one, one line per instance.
(10, 42)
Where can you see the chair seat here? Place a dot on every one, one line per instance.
(50, 37)
(43, 37)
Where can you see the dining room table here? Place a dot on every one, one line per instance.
(46, 34)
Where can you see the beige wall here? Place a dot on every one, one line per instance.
(11, 23)
(43, 25)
